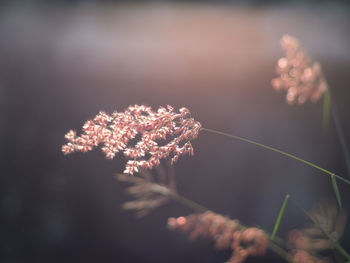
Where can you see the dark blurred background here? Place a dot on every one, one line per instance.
(63, 61)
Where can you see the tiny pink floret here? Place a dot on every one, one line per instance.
(115, 131)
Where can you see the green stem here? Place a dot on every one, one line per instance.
(336, 190)
(281, 252)
(326, 110)
(276, 150)
(279, 218)
(341, 137)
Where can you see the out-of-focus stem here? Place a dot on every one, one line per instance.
(276, 150)
(280, 251)
(326, 110)
(341, 136)
(187, 202)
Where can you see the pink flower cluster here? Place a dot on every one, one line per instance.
(227, 234)
(116, 131)
(298, 75)
(305, 248)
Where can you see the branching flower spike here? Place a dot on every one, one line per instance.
(298, 75)
(149, 191)
(227, 233)
(116, 131)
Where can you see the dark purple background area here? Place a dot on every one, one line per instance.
(60, 65)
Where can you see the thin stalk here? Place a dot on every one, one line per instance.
(276, 150)
(336, 190)
(341, 137)
(279, 218)
(188, 203)
(326, 110)
(281, 252)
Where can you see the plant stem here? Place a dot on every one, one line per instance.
(187, 202)
(276, 150)
(280, 251)
(341, 136)
(336, 190)
(326, 110)
(279, 218)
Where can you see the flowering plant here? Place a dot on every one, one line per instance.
(165, 134)
(117, 130)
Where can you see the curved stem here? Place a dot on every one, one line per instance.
(276, 150)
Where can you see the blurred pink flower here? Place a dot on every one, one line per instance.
(225, 232)
(298, 75)
(116, 131)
